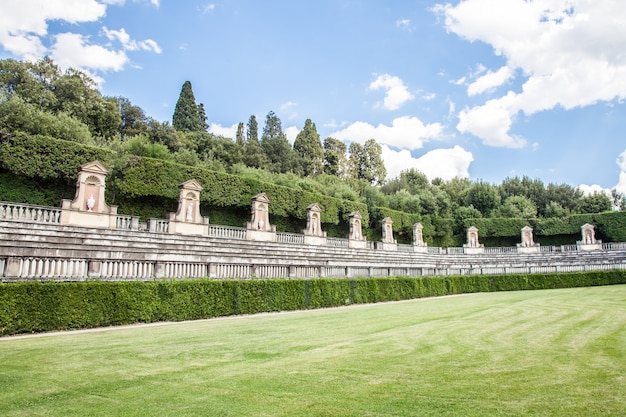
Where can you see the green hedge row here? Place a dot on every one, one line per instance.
(44, 157)
(28, 307)
(143, 177)
(610, 226)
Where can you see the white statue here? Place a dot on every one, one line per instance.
(91, 202)
(189, 212)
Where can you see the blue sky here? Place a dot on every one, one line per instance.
(485, 89)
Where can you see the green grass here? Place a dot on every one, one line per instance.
(539, 353)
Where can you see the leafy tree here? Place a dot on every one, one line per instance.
(308, 147)
(19, 116)
(410, 180)
(594, 203)
(188, 116)
(376, 166)
(334, 157)
(563, 194)
(554, 209)
(484, 197)
(366, 162)
(618, 200)
(133, 118)
(517, 206)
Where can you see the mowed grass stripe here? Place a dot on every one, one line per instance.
(550, 352)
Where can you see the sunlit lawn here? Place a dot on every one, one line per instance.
(552, 353)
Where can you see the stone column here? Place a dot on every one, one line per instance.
(388, 242)
(418, 239)
(187, 220)
(259, 227)
(313, 234)
(356, 239)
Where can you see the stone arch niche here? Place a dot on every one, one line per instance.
(356, 238)
(589, 241)
(418, 239)
(313, 234)
(259, 227)
(187, 220)
(388, 242)
(88, 208)
(473, 245)
(527, 244)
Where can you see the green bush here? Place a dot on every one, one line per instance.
(29, 307)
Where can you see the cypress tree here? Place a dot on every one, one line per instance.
(189, 116)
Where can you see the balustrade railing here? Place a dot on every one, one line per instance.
(29, 213)
(158, 225)
(227, 232)
(127, 222)
(504, 249)
(337, 242)
(291, 238)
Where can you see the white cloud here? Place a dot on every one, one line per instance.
(570, 51)
(291, 132)
(130, 44)
(208, 8)
(404, 24)
(490, 122)
(225, 131)
(404, 132)
(438, 163)
(396, 93)
(24, 29)
(593, 189)
(23, 23)
(74, 50)
(489, 81)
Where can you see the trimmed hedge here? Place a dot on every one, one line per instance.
(29, 307)
(38, 156)
(143, 177)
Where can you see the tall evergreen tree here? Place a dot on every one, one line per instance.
(189, 116)
(239, 137)
(275, 145)
(366, 162)
(308, 148)
(252, 132)
(335, 157)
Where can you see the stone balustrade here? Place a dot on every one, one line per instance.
(158, 225)
(29, 213)
(227, 232)
(291, 238)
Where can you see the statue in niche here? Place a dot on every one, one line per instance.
(261, 224)
(189, 212)
(91, 202)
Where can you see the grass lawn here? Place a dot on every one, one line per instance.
(539, 353)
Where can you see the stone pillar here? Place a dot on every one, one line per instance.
(418, 239)
(313, 234)
(356, 239)
(473, 245)
(187, 220)
(259, 227)
(589, 241)
(388, 242)
(88, 207)
(527, 245)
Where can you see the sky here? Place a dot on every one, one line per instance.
(478, 89)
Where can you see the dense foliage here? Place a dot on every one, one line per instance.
(52, 121)
(29, 307)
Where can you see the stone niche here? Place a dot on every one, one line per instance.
(356, 240)
(388, 242)
(187, 220)
(418, 239)
(589, 241)
(473, 245)
(313, 234)
(259, 227)
(527, 245)
(88, 208)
